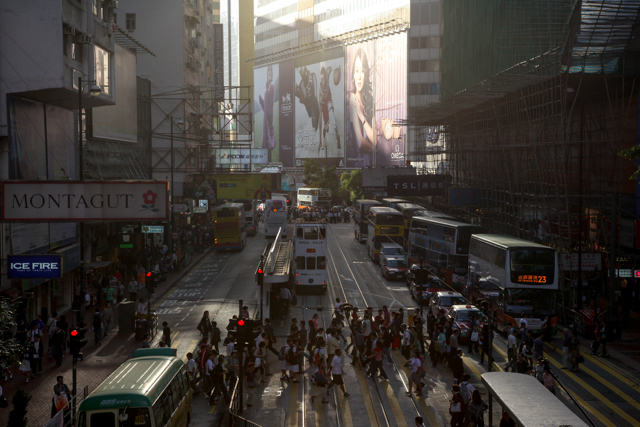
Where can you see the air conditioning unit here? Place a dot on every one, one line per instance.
(84, 39)
(68, 30)
(113, 4)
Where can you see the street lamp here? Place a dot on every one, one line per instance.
(94, 90)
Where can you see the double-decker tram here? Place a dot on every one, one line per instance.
(526, 275)
(443, 245)
(386, 225)
(310, 255)
(229, 227)
(314, 197)
(360, 217)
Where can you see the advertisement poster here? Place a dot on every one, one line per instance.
(375, 85)
(218, 62)
(291, 181)
(319, 107)
(286, 121)
(244, 186)
(265, 103)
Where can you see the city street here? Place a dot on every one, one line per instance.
(606, 388)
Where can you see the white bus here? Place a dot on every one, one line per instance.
(314, 197)
(525, 273)
(250, 214)
(310, 252)
(442, 244)
(275, 216)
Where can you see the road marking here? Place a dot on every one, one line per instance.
(293, 405)
(428, 411)
(395, 406)
(175, 285)
(471, 366)
(595, 393)
(345, 410)
(192, 346)
(364, 389)
(604, 420)
(319, 410)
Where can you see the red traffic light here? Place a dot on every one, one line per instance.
(240, 322)
(260, 271)
(74, 332)
(149, 274)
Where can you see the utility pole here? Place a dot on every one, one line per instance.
(581, 214)
(240, 339)
(612, 256)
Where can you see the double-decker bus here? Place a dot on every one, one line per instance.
(525, 273)
(275, 216)
(310, 252)
(150, 390)
(386, 225)
(314, 197)
(409, 210)
(442, 244)
(392, 202)
(360, 218)
(229, 227)
(250, 215)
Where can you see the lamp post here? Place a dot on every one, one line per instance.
(94, 90)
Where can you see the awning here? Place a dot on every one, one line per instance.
(96, 264)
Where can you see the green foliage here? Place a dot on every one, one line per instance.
(317, 176)
(18, 415)
(11, 347)
(352, 182)
(632, 154)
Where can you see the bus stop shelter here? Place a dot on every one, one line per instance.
(528, 402)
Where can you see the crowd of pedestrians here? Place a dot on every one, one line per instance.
(335, 215)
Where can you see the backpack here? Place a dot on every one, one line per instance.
(291, 357)
(282, 352)
(464, 392)
(316, 356)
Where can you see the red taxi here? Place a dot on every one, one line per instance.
(462, 315)
(393, 268)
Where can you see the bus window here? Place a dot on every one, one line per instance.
(322, 263)
(137, 417)
(82, 419)
(300, 263)
(323, 233)
(311, 263)
(167, 404)
(158, 413)
(183, 384)
(300, 232)
(103, 419)
(177, 393)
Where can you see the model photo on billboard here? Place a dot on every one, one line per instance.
(265, 103)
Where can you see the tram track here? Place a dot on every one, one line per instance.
(335, 276)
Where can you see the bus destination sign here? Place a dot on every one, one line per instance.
(389, 230)
(523, 278)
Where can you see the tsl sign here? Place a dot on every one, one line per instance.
(54, 201)
(416, 185)
(35, 266)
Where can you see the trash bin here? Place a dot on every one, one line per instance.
(141, 329)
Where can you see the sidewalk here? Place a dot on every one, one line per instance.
(98, 362)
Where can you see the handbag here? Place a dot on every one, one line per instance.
(319, 379)
(455, 408)
(580, 359)
(474, 336)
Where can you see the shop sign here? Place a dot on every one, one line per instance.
(590, 261)
(153, 229)
(35, 266)
(175, 236)
(85, 201)
(416, 185)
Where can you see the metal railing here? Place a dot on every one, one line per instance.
(235, 420)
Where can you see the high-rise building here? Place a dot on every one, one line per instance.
(336, 80)
(182, 35)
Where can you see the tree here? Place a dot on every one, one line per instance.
(632, 154)
(352, 182)
(9, 347)
(18, 415)
(317, 176)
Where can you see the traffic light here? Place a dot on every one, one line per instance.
(260, 273)
(76, 342)
(150, 281)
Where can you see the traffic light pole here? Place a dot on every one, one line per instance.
(74, 363)
(240, 362)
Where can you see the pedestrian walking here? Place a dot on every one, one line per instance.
(61, 400)
(36, 353)
(107, 315)
(166, 333)
(217, 382)
(250, 383)
(336, 373)
(566, 348)
(376, 363)
(97, 326)
(416, 373)
(133, 289)
(477, 406)
(512, 351)
(268, 328)
(320, 379)
(215, 335)
(205, 325)
(455, 407)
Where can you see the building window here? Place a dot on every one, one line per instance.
(414, 66)
(76, 51)
(131, 21)
(435, 90)
(102, 69)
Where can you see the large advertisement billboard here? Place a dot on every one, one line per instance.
(266, 106)
(85, 201)
(319, 107)
(375, 85)
(244, 186)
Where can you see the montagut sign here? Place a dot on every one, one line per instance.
(54, 201)
(35, 266)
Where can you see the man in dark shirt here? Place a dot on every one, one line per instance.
(456, 365)
(521, 364)
(217, 382)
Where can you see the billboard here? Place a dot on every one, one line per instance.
(376, 85)
(291, 181)
(241, 156)
(286, 119)
(377, 177)
(35, 266)
(416, 185)
(85, 201)
(244, 186)
(319, 107)
(218, 62)
(120, 121)
(265, 103)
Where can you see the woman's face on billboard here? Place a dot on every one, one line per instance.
(358, 75)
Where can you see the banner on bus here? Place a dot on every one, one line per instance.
(85, 201)
(416, 185)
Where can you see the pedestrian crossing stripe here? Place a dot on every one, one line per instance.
(427, 410)
(395, 406)
(345, 410)
(293, 404)
(364, 389)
